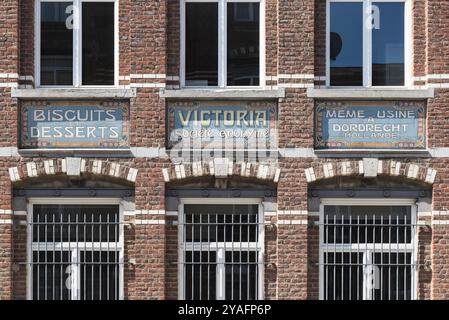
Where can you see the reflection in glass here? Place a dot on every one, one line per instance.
(346, 44)
(243, 44)
(56, 44)
(388, 45)
(98, 43)
(201, 57)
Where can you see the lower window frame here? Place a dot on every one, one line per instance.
(75, 201)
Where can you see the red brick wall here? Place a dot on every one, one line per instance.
(295, 44)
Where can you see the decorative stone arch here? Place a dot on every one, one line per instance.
(72, 167)
(221, 168)
(371, 168)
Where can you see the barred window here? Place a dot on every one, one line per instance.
(75, 252)
(221, 252)
(367, 252)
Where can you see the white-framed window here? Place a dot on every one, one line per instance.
(226, 49)
(75, 249)
(76, 43)
(368, 249)
(221, 249)
(368, 43)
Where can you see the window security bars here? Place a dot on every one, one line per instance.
(75, 252)
(221, 252)
(367, 252)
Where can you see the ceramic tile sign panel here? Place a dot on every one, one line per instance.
(222, 125)
(101, 125)
(370, 125)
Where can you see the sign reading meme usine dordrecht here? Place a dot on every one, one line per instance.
(74, 125)
(214, 125)
(370, 125)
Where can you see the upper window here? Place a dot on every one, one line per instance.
(224, 49)
(367, 43)
(76, 43)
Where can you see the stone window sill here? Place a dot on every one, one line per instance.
(235, 94)
(73, 93)
(370, 93)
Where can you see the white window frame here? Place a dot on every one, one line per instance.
(220, 256)
(410, 247)
(75, 294)
(367, 45)
(77, 44)
(222, 44)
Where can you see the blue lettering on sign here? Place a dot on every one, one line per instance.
(382, 127)
(74, 126)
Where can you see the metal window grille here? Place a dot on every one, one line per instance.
(367, 253)
(221, 252)
(75, 252)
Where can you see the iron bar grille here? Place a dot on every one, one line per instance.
(368, 252)
(221, 252)
(76, 252)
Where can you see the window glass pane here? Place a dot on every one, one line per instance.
(63, 223)
(99, 275)
(363, 224)
(241, 275)
(346, 44)
(56, 43)
(51, 275)
(392, 275)
(201, 44)
(98, 43)
(243, 44)
(388, 45)
(200, 275)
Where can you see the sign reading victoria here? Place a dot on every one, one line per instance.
(370, 125)
(215, 125)
(74, 125)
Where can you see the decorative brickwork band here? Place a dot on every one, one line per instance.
(72, 167)
(371, 168)
(222, 168)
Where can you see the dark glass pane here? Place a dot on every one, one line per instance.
(98, 43)
(243, 44)
(367, 224)
(343, 276)
(63, 223)
(201, 58)
(211, 223)
(99, 272)
(392, 276)
(56, 43)
(346, 44)
(241, 275)
(51, 275)
(388, 45)
(200, 275)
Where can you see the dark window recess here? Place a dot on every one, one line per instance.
(241, 275)
(388, 45)
(243, 44)
(346, 44)
(98, 43)
(56, 44)
(200, 275)
(51, 271)
(99, 275)
(201, 56)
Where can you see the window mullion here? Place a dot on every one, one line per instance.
(367, 43)
(221, 273)
(222, 43)
(76, 43)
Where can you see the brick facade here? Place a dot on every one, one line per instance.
(149, 51)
